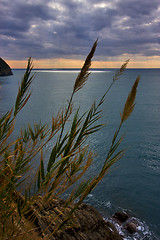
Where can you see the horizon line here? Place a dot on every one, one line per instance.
(63, 68)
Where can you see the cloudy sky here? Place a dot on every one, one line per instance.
(60, 33)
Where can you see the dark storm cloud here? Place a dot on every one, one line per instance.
(67, 28)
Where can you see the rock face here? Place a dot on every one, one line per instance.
(87, 223)
(5, 70)
(131, 227)
(121, 216)
(126, 221)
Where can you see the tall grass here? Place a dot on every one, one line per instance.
(69, 159)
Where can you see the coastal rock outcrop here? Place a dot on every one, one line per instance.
(5, 69)
(131, 227)
(127, 222)
(87, 223)
(121, 217)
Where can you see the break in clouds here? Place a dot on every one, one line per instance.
(68, 28)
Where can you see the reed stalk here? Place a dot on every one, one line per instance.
(69, 159)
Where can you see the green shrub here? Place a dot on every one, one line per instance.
(69, 158)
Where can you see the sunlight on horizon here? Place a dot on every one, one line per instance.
(72, 63)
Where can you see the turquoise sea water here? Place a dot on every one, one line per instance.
(133, 183)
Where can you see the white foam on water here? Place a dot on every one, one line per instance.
(108, 204)
(143, 231)
(90, 195)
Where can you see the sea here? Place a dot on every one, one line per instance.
(133, 183)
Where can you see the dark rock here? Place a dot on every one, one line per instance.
(120, 217)
(87, 222)
(127, 222)
(131, 227)
(5, 70)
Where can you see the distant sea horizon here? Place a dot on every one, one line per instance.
(92, 69)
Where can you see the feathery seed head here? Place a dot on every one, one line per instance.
(120, 71)
(84, 73)
(130, 102)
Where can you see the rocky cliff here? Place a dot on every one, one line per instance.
(5, 70)
(87, 222)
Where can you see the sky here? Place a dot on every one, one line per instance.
(60, 33)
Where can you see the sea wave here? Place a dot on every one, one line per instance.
(143, 231)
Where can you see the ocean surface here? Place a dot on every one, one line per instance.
(133, 184)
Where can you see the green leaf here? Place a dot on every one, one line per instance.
(42, 170)
(23, 93)
(26, 197)
(81, 188)
(52, 158)
(38, 180)
(31, 132)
